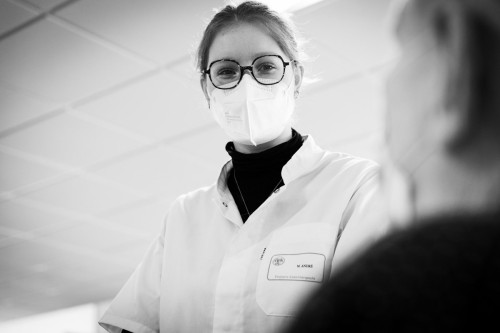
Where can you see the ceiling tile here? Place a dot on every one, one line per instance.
(209, 145)
(18, 216)
(50, 61)
(163, 31)
(322, 65)
(18, 260)
(45, 4)
(16, 172)
(82, 195)
(357, 30)
(39, 282)
(96, 270)
(133, 253)
(160, 106)
(161, 171)
(12, 15)
(17, 108)
(368, 145)
(70, 140)
(340, 112)
(98, 237)
(146, 218)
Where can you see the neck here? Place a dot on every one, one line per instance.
(249, 149)
(453, 187)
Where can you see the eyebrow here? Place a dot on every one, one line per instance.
(253, 57)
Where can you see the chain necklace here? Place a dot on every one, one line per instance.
(241, 194)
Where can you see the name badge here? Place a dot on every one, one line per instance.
(297, 267)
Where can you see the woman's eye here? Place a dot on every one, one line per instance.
(226, 72)
(266, 68)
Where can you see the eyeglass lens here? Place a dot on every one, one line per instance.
(266, 70)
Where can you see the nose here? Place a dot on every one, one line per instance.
(246, 70)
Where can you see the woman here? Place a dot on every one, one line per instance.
(240, 255)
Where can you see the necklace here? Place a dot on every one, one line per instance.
(241, 194)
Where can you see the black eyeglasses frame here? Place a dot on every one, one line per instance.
(250, 69)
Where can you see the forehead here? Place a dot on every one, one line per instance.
(243, 42)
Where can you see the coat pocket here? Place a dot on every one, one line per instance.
(297, 261)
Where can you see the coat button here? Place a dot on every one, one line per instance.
(225, 204)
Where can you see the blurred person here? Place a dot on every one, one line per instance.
(240, 255)
(442, 272)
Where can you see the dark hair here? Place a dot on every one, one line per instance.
(281, 30)
(469, 33)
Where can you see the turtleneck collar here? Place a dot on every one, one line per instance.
(255, 176)
(275, 157)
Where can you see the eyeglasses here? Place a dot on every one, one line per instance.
(266, 69)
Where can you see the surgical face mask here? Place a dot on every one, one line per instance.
(252, 113)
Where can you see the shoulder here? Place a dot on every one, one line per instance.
(440, 253)
(194, 200)
(334, 158)
(349, 166)
(416, 278)
(444, 238)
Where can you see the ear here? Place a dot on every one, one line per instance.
(455, 36)
(203, 84)
(298, 75)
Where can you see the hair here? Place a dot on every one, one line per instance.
(280, 29)
(469, 33)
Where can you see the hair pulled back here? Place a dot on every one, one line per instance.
(281, 30)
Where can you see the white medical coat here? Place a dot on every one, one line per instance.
(208, 271)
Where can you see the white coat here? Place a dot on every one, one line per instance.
(208, 271)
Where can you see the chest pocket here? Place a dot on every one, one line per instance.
(296, 262)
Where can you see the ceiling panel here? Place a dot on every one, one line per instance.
(25, 256)
(24, 218)
(357, 30)
(340, 112)
(322, 65)
(45, 5)
(209, 145)
(83, 195)
(84, 272)
(133, 253)
(162, 170)
(12, 15)
(366, 145)
(147, 218)
(17, 108)
(71, 141)
(16, 172)
(102, 238)
(151, 34)
(51, 61)
(159, 106)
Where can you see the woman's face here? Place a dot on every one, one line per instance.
(243, 42)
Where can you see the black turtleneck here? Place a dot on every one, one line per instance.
(259, 174)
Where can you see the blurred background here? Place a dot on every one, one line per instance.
(103, 123)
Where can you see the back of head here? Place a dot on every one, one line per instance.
(443, 107)
(468, 34)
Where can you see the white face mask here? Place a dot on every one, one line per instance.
(253, 113)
